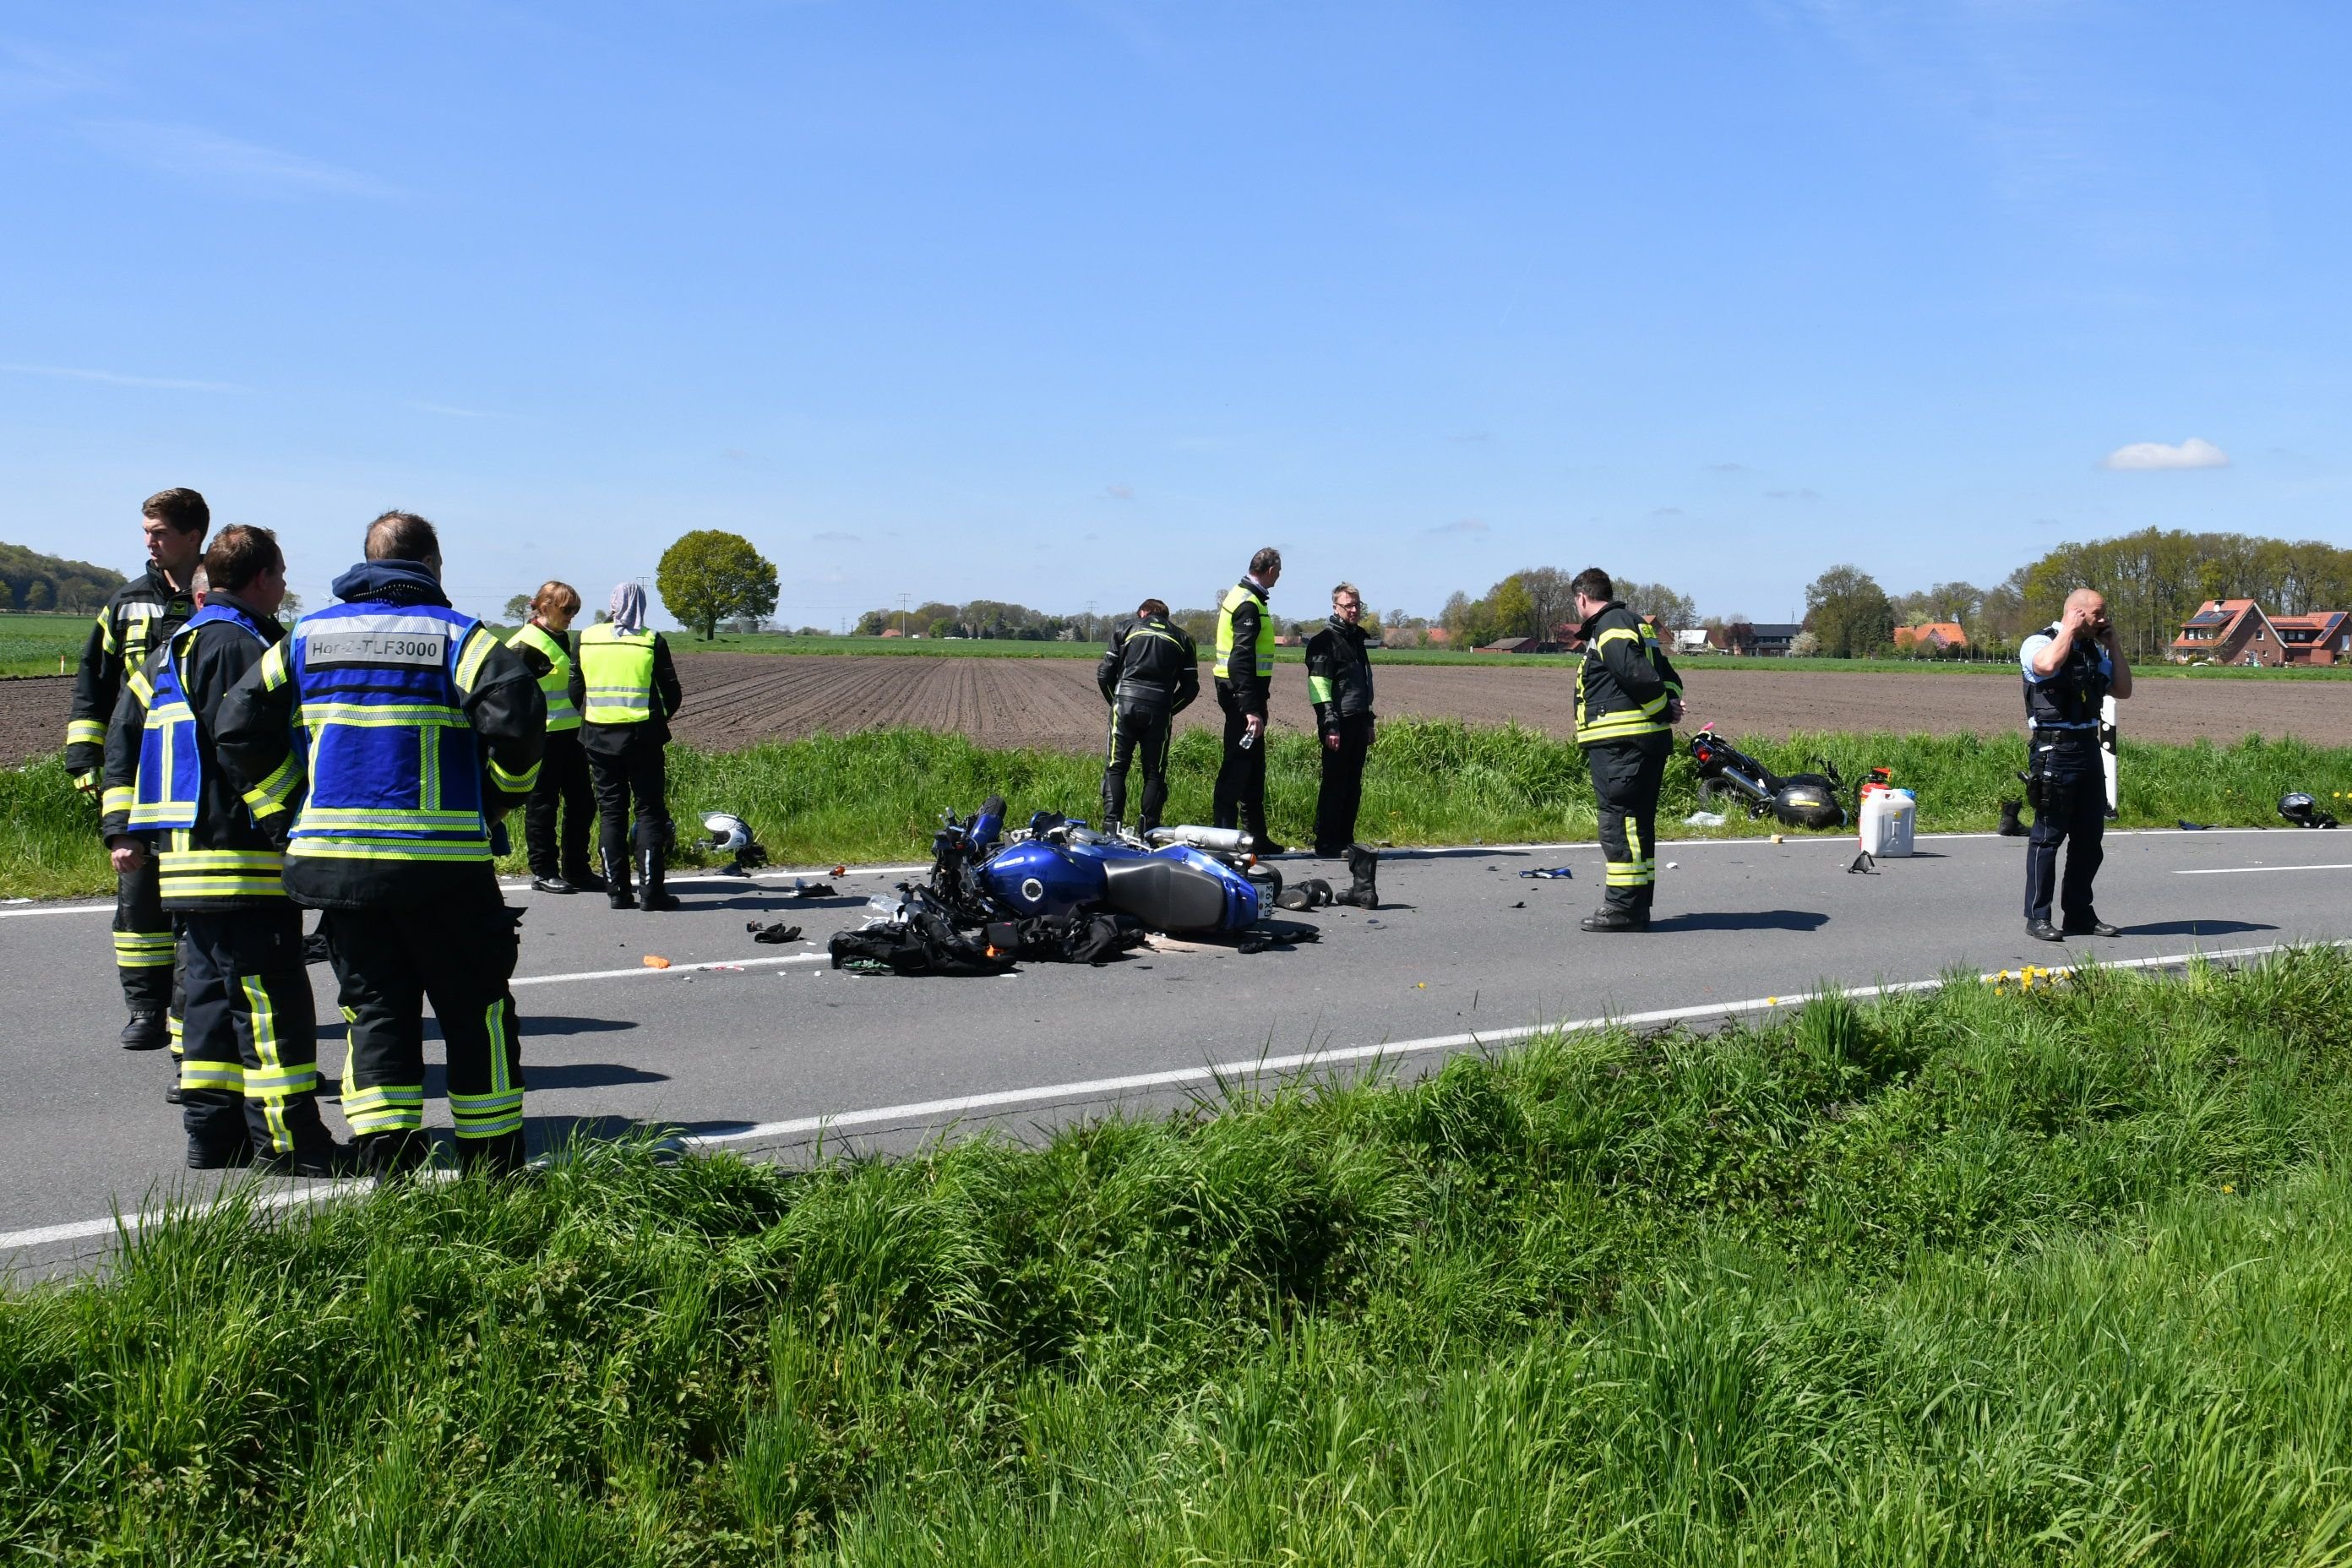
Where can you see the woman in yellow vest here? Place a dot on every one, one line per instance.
(625, 688)
(562, 767)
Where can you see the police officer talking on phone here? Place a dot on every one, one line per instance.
(2071, 667)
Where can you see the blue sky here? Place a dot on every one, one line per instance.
(1082, 301)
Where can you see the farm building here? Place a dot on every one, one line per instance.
(1771, 639)
(1938, 635)
(2323, 636)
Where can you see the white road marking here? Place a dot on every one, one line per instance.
(521, 980)
(2240, 871)
(1404, 852)
(1092, 1089)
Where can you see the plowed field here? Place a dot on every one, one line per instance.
(733, 700)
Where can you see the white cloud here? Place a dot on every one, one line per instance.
(217, 160)
(159, 382)
(2192, 453)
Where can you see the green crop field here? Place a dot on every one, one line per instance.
(2038, 1272)
(35, 644)
(876, 795)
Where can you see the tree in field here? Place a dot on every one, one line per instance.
(39, 595)
(1674, 611)
(517, 610)
(709, 576)
(1849, 612)
(1804, 644)
(7, 597)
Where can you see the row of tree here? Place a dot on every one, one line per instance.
(2153, 581)
(31, 581)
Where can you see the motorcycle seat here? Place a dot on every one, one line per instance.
(1166, 895)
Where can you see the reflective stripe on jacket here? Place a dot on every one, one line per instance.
(616, 675)
(395, 771)
(138, 618)
(556, 684)
(1624, 681)
(165, 783)
(1245, 596)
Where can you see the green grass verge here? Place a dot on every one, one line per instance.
(32, 644)
(876, 795)
(1962, 1276)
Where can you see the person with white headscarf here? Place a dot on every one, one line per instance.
(625, 688)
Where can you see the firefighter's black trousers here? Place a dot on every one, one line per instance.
(563, 782)
(1343, 785)
(2070, 791)
(250, 1074)
(1240, 797)
(634, 771)
(1137, 734)
(389, 963)
(1626, 777)
(142, 938)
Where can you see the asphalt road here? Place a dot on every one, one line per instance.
(764, 1056)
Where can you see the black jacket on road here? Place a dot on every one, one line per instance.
(1339, 675)
(137, 618)
(1150, 665)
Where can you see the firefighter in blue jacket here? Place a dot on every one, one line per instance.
(424, 727)
(249, 1076)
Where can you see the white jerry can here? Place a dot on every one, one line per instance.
(1889, 819)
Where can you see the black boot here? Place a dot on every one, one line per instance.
(218, 1156)
(146, 1031)
(2010, 827)
(1611, 917)
(325, 1159)
(616, 884)
(1364, 866)
(651, 896)
(499, 1156)
(587, 881)
(388, 1156)
(1261, 842)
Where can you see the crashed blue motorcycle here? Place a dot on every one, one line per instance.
(1180, 880)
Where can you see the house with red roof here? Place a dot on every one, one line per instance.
(2323, 636)
(2229, 631)
(1937, 635)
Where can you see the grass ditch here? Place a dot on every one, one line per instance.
(2041, 1274)
(876, 795)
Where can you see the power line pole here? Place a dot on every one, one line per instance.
(902, 614)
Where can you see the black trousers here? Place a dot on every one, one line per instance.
(389, 963)
(1240, 797)
(250, 1074)
(142, 938)
(1342, 789)
(563, 782)
(634, 772)
(2072, 809)
(1626, 777)
(1137, 734)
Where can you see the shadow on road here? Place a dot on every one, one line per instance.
(1743, 920)
(542, 1024)
(2196, 928)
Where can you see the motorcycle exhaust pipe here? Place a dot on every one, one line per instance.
(1229, 840)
